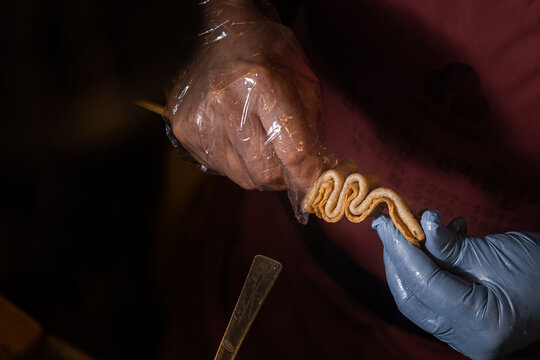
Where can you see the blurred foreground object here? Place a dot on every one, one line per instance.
(18, 331)
(21, 337)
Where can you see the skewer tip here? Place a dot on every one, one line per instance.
(150, 106)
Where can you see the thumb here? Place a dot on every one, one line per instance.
(444, 245)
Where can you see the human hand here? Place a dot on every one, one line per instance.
(248, 105)
(495, 313)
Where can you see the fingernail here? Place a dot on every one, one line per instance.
(377, 221)
(431, 219)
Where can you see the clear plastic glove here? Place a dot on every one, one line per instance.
(497, 312)
(248, 105)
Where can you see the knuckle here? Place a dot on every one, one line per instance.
(291, 156)
(266, 174)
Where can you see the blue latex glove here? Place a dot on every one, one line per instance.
(497, 312)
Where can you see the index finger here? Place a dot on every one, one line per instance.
(292, 126)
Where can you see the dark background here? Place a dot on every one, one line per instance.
(82, 170)
(93, 219)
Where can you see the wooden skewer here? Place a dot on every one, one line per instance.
(151, 106)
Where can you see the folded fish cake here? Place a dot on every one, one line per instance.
(343, 191)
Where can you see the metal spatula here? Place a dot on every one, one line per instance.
(261, 277)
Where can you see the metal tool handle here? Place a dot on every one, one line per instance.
(261, 277)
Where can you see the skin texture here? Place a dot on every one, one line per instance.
(248, 105)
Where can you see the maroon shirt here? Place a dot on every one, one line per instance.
(442, 100)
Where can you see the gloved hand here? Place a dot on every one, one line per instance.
(248, 105)
(497, 312)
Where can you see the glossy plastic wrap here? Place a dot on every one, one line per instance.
(248, 105)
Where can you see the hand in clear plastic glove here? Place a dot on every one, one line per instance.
(248, 105)
(497, 312)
